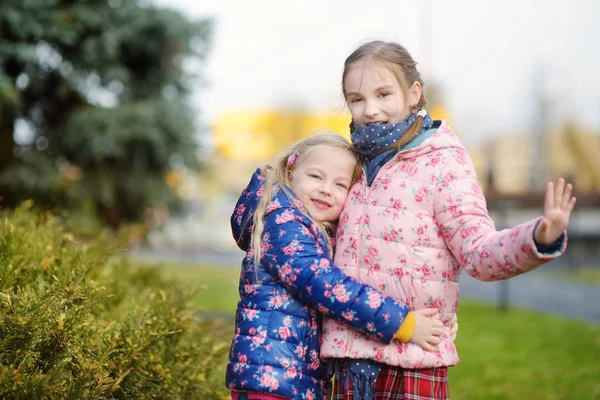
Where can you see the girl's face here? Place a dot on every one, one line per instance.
(374, 95)
(321, 180)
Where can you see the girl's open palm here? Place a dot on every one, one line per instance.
(558, 205)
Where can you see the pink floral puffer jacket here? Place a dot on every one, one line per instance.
(423, 220)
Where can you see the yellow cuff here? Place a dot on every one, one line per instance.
(407, 328)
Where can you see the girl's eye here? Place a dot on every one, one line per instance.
(343, 185)
(384, 94)
(355, 100)
(314, 176)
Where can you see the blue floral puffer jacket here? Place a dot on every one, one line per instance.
(278, 320)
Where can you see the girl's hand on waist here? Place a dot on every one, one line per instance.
(453, 324)
(427, 330)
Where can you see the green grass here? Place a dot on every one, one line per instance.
(218, 285)
(524, 355)
(512, 355)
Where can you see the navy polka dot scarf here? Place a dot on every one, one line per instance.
(372, 141)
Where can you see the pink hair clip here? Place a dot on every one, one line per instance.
(291, 160)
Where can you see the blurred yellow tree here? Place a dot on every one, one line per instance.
(258, 135)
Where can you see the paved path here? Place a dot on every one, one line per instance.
(536, 290)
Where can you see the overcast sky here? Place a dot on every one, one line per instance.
(486, 55)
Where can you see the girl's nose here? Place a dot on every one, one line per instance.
(325, 189)
(371, 108)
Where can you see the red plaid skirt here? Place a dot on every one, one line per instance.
(394, 383)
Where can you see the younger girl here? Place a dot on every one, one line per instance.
(413, 222)
(282, 220)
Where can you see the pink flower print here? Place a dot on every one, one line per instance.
(291, 248)
(437, 303)
(298, 203)
(290, 373)
(310, 395)
(373, 251)
(301, 350)
(526, 248)
(323, 263)
(315, 364)
(277, 301)
(257, 340)
(367, 219)
(285, 269)
(265, 245)
(374, 299)
(345, 218)
(287, 321)
(250, 313)
(342, 297)
(470, 231)
(426, 270)
(453, 209)
(348, 315)
(340, 294)
(284, 217)
(260, 191)
(268, 381)
(243, 359)
(322, 309)
(284, 332)
(370, 326)
(397, 204)
(273, 205)
(376, 267)
(409, 168)
(378, 355)
(418, 198)
(476, 188)
(285, 363)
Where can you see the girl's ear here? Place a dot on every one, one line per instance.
(414, 94)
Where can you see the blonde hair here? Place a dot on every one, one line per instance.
(278, 178)
(398, 60)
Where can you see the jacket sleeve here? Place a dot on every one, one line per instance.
(469, 231)
(292, 255)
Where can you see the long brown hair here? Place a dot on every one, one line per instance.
(399, 61)
(278, 178)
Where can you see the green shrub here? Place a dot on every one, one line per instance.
(78, 321)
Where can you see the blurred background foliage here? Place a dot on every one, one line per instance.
(93, 105)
